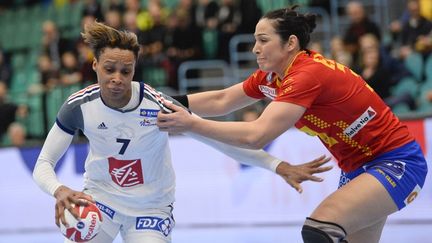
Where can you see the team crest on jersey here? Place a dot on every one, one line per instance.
(126, 173)
(360, 122)
(269, 78)
(268, 91)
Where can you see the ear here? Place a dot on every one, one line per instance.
(94, 64)
(292, 43)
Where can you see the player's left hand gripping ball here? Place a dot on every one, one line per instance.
(86, 227)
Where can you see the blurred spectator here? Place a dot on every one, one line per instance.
(360, 25)
(250, 13)
(93, 8)
(338, 52)
(412, 29)
(228, 22)
(49, 80)
(52, 44)
(113, 18)
(133, 6)
(70, 71)
(396, 67)
(9, 112)
(5, 70)
(155, 12)
(379, 78)
(16, 135)
(183, 43)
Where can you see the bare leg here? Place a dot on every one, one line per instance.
(362, 203)
(372, 233)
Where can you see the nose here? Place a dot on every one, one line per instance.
(116, 78)
(255, 49)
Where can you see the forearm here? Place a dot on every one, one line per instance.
(241, 134)
(258, 158)
(208, 104)
(54, 147)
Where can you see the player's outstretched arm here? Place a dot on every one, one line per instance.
(294, 175)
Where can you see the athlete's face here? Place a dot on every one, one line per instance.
(115, 70)
(272, 55)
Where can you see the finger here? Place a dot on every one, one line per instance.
(172, 106)
(296, 186)
(315, 178)
(57, 216)
(322, 169)
(62, 216)
(321, 161)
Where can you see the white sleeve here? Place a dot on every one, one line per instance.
(56, 144)
(252, 157)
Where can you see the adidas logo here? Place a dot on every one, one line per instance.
(102, 126)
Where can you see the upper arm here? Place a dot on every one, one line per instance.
(219, 102)
(276, 119)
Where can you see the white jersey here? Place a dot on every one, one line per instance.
(129, 157)
(129, 165)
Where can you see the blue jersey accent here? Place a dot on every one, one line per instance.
(106, 210)
(154, 223)
(401, 171)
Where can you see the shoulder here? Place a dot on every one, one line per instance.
(87, 94)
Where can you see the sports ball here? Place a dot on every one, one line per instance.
(84, 229)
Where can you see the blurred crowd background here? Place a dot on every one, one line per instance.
(194, 45)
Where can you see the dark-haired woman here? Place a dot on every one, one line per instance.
(383, 168)
(128, 171)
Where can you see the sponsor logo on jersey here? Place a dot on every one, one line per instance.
(413, 195)
(126, 173)
(148, 112)
(148, 122)
(154, 223)
(102, 126)
(105, 209)
(360, 122)
(267, 91)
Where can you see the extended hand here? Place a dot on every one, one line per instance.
(180, 120)
(296, 174)
(65, 198)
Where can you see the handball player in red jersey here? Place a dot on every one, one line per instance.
(383, 167)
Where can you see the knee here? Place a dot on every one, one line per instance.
(324, 232)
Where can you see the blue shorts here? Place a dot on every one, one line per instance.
(401, 171)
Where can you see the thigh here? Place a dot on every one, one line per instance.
(361, 203)
(372, 233)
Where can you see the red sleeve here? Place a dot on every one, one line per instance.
(251, 85)
(299, 88)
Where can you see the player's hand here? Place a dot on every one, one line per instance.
(296, 174)
(65, 197)
(180, 120)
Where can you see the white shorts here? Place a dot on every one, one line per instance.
(154, 226)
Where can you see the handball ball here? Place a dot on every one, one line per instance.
(86, 227)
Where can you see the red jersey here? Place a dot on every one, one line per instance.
(349, 118)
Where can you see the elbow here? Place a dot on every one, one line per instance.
(254, 141)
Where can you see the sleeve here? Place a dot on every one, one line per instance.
(258, 158)
(251, 84)
(301, 89)
(56, 144)
(70, 118)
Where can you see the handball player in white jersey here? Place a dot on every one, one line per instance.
(128, 171)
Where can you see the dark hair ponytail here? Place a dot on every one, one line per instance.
(288, 22)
